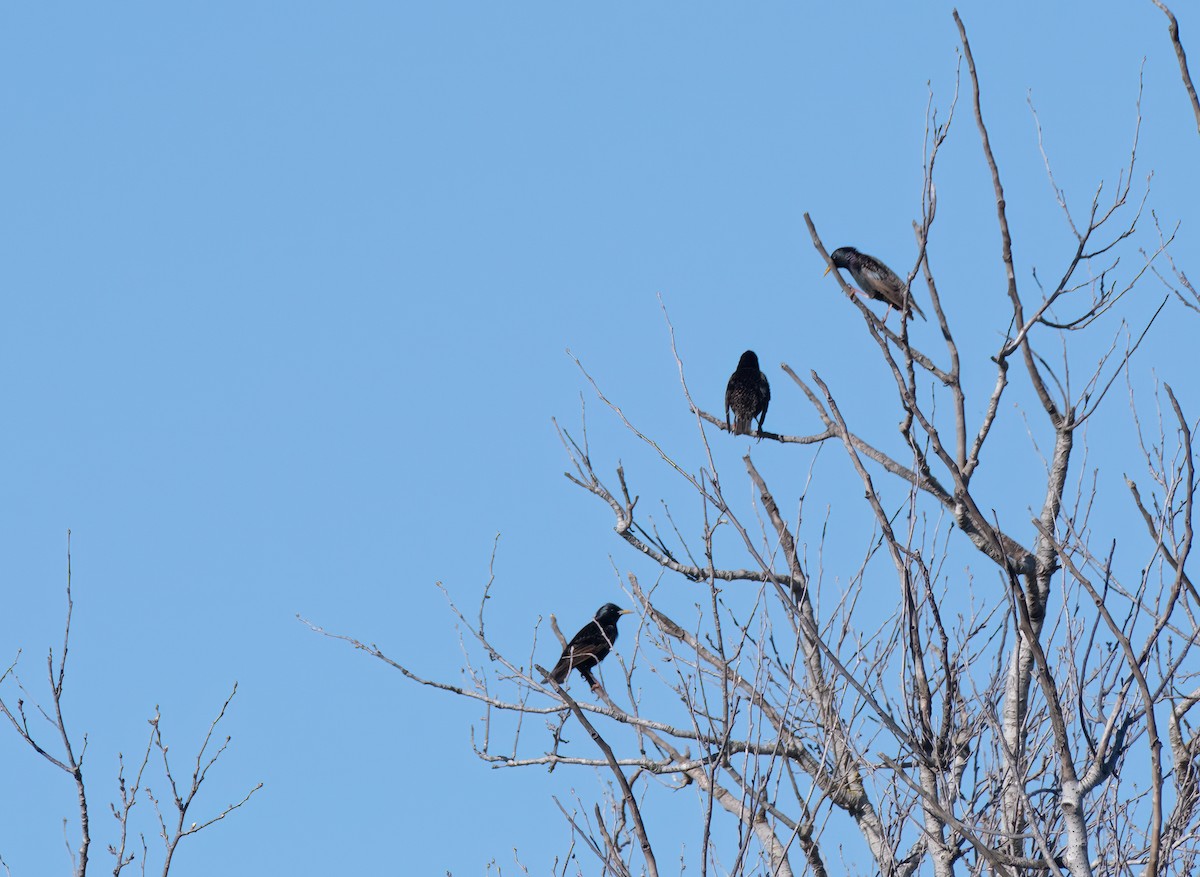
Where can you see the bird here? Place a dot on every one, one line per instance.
(876, 279)
(590, 646)
(748, 394)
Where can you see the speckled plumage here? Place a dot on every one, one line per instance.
(748, 394)
(874, 278)
(590, 646)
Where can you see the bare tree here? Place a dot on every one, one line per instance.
(68, 751)
(1028, 716)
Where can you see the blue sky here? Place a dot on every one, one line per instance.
(288, 289)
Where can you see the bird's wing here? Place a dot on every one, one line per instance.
(573, 656)
(882, 280)
(591, 642)
(880, 273)
(561, 670)
(764, 387)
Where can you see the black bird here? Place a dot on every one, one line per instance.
(590, 646)
(876, 279)
(748, 394)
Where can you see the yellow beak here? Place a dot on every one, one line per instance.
(626, 611)
(827, 270)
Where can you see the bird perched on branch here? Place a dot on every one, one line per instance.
(876, 279)
(748, 394)
(590, 646)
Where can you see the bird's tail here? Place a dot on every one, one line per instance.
(920, 313)
(741, 425)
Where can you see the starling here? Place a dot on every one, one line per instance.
(748, 394)
(876, 279)
(590, 646)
